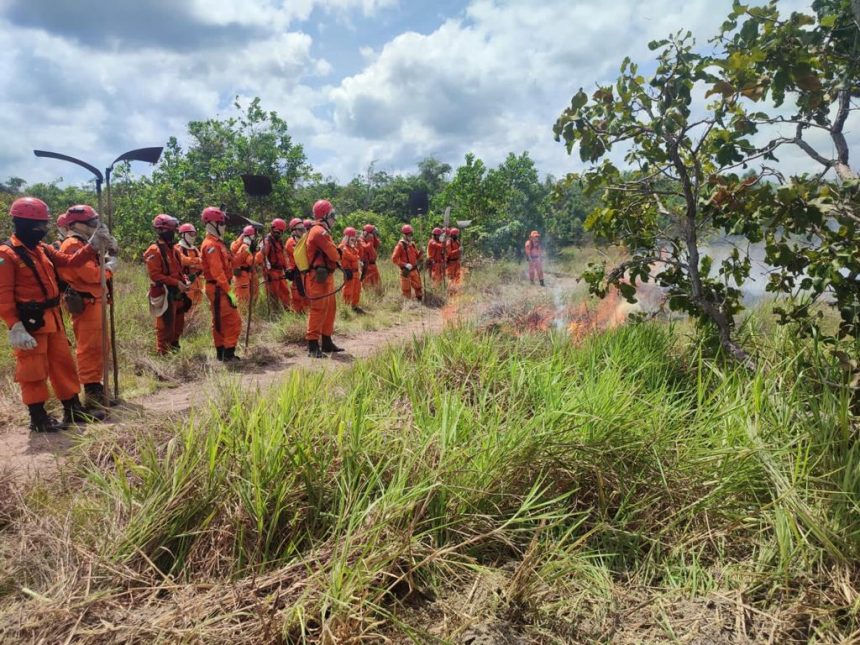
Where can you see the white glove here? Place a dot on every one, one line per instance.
(408, 266)
(20, 338)
(111, 263)
(102, 241)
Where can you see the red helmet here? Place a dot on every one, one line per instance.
(437, 231)
(349, 232)
(187, 228)
(30, 208)
(212, 215)
(165, 223)
(534, 234)
(406, 229)
(453, 232)
(369, 228)
(295, 222)
(249, 231)
(322, 208)
(63, 221)
(308, 223)
(80, 213)
(279, 225)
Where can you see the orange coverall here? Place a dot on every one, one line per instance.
(51, 359)
(276, 264)
(323, 305)
(87, 325)
(349, 259)
(218, 272)
(369, 252)
(534, 254)
(164, 266)
(436, 255)
(300, 303)
(192, 269)
(407, 253)
(244, 271)
(453, 259)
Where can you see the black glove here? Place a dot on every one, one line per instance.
(347, 274)
(253, 246)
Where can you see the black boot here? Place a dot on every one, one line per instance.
(358, 310)
(219, 353)
(329, 346)
(230, 355)
(95, 397)
(542, 284)
(41, 421)
(174, 346)
(73, 412)
(314, 350)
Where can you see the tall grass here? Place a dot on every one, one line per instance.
(343, 505)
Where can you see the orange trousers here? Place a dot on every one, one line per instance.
(371, 276)
(454, 272)
(195, 293)
(277, 287)
(437, 272)
(169, 327)
(87, 326)
(410, 283)
(226, 321)
(536, 269)
(300, 303)
(245, 284)
(323, 309)
(352, 291)
(50, 359)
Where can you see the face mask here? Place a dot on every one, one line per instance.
(167, 236)
(30, 232)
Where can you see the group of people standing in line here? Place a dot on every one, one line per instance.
(298, 273)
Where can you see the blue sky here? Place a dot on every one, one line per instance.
(358, 81)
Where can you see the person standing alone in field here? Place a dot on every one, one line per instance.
(218, 272)
(534, 255)
(83, 300)
(407, 257)
(369, 250)
(323, 259)
(351, 261)
(167, 284)
(436, 256)
(30, 307)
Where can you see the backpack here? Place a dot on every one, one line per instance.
(300, 254)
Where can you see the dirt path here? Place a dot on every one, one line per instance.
(28, 455)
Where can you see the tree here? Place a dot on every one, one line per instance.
(810, 64)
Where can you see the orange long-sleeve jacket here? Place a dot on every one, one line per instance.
(163, 264)
(406, 253)
(349, 257)
(290, 252)
(368, 250)
(435, 251)
(453, 252)
(273, 252)
(217, 262)
(534, 251)
(85, 278)
(192, 264)
(19, 285)
(243, 259)
(321, 248)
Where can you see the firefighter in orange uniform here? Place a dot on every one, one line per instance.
(192, 266)
(244, 250)
(323, 258)
(436, 256)
(83, 300)
(62, 231)
(297, 286)
(407, 256)
(454, 255)
(534, 254)
(276, 264)
(350, 260)
(168, 284)
(30, 307)
(218, 272)
(369, 253)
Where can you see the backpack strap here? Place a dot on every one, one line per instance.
(21, 252)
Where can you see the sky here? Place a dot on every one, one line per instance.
(388, 82)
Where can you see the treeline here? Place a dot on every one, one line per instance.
(503, 203)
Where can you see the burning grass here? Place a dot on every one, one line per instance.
(467, 486)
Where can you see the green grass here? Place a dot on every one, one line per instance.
(523, 480)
